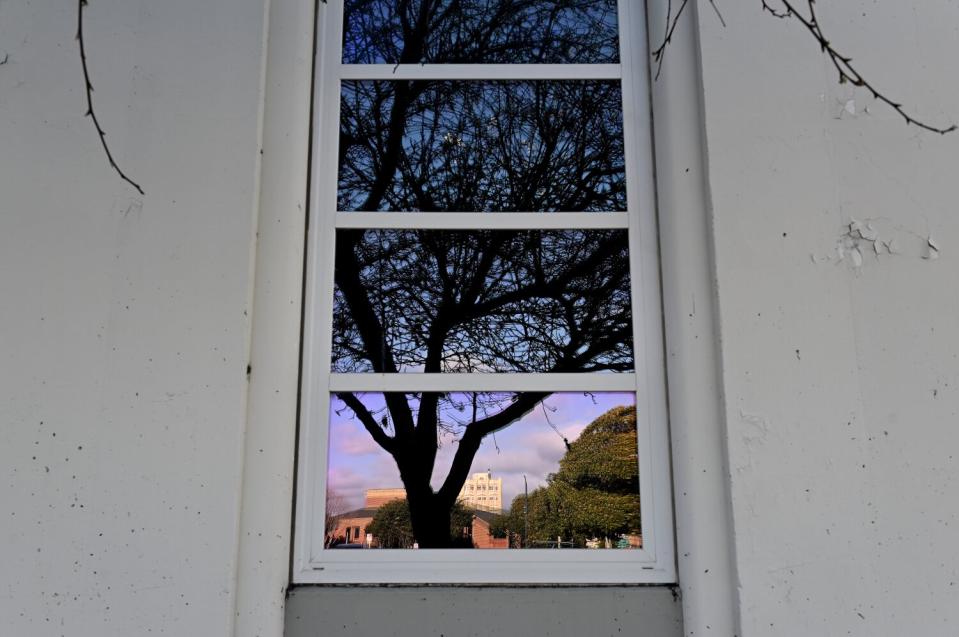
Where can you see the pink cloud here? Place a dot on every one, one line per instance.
(348, 437)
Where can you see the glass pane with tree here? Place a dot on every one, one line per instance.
(532, 301)
(472, 146)
(564, 474)
(480, 31)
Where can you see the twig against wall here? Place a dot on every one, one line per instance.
(89, 88)
(671, 22)
(843, 64)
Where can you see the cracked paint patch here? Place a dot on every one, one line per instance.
(753, 434)
(873, 239)
(849, 109)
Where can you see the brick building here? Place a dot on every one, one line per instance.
(351, 526)
(376, 498)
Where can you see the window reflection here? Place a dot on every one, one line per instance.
(481, 146)
(563, 473)
(480, 31)
(482, 301)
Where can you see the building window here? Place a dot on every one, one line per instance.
(483, 311)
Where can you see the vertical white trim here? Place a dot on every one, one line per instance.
(317, 342)
(704, 531)
(266, 495)
(652, 416)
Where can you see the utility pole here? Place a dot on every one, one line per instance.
(525, 513)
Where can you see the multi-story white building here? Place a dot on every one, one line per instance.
(483, 491)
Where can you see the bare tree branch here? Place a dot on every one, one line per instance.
(368, 420)
(473, 436)
(90, 112)
(843, 64)
(335, 504)
(671, 22)
(719, 15)
(660, 53)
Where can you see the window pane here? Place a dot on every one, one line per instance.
(562, 469)
(480, 31)
(481, 146)
(482, 301)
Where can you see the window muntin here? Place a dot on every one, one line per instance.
(651, 563)
(480, 31)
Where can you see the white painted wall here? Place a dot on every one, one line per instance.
(125, 322)
(841, 382)
(124, 328)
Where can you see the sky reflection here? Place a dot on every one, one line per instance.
(529, 446)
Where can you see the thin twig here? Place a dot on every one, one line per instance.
(843, 65)
(660, 53)
(782, 15)
(89, 86)
(847, 72)
(671, 22)
(554, 427)
(719, 15)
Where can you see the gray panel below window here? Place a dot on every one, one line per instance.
(462, 611)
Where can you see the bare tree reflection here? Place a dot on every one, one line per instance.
(481, 146)
(482, 301)
(480, 31)
(492, 301)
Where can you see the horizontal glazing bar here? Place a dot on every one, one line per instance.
(483, 220)
(416, 382)
(480, 72)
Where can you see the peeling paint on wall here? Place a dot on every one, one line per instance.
(753, 435)
(874, 239)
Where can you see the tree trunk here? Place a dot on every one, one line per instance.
(430, 520)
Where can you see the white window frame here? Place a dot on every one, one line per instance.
(655, 562)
